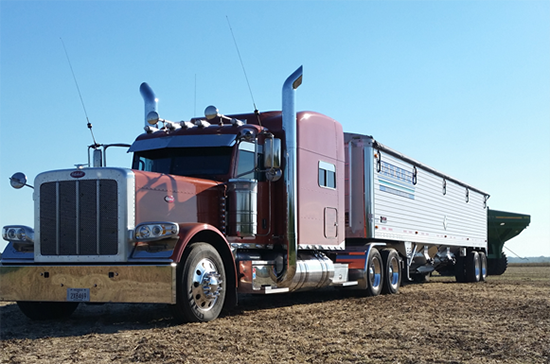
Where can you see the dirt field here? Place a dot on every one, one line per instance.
(505, 320)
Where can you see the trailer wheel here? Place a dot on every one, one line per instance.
(460, 269)
(375, 273)
(473, 267)
(201, 285)
(47, 310)
(392, 271)
(483, 266)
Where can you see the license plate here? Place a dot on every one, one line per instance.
(78, 294)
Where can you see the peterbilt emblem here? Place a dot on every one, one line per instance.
(78, 174)
(169, 199)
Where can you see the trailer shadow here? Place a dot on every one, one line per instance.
(113, 318)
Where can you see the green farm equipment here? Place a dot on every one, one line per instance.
(502, 226)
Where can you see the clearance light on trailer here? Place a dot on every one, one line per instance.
(156, 231)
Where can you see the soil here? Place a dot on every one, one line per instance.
(503, 320)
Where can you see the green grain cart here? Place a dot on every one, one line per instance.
(502, 226)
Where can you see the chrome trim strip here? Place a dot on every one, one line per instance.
(350, 187)
(369, 189)
(98, 216)
(57, 222)
(77, 217)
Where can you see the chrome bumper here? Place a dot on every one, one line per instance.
(120, 283)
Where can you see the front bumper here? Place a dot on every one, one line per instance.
(113, 283)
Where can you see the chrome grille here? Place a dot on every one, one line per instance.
(79, 217)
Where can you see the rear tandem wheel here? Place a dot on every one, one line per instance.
(392, 271)
(473, 267)
(375, 273)
(483, 266)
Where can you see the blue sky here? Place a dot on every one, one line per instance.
(463, 86)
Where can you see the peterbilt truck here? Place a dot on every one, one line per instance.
(255, 203)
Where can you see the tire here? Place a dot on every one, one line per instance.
(375, 273)
(473, 267)
(47, 310)
(483, 266)
(201, 285)
(460, 269)
(392, 271)
(498, 266)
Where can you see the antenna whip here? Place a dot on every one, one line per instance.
(79, 93)
(242, 65)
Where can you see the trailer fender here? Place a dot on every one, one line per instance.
(200, 232)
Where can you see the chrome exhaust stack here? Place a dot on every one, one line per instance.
(150, 103)
(290, 176)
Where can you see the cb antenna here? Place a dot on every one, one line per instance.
(79, 93)
(244, 71)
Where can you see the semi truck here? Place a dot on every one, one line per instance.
(255, 203)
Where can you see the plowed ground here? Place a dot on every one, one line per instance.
(504, 320)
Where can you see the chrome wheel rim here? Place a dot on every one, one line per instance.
(393, 271)
(206, 284)
(375, 273)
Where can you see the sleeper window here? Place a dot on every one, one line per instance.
(327, 175)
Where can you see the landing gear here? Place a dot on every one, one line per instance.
(201, 285)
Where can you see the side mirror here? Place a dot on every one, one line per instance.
(272, 153)
(19, 180)
(272, 159)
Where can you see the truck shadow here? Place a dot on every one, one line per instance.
(91, 319)
(87, 319)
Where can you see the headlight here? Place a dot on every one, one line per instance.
(18, 233)
(156, 231)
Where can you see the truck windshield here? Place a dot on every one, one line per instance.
(211, 163)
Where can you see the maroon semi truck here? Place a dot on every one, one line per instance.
(257, 203)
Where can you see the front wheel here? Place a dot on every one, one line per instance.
(201, 285)
(47, 310)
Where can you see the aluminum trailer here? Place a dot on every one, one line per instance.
(434, 220)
